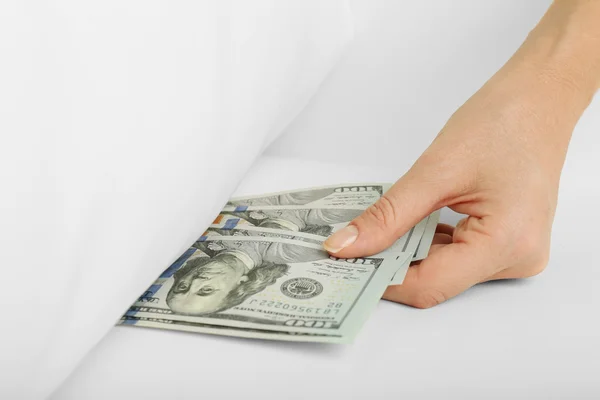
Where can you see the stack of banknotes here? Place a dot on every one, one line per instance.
(260, 270)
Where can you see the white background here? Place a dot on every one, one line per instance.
(410, 66)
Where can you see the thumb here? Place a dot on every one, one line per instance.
(406, 203)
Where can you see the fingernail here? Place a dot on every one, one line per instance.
(341, 239)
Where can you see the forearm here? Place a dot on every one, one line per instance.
(560, 58)
(551, 79)
(566, 44)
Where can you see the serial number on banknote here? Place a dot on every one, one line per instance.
(332, 307)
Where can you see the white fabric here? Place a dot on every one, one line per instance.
(125, 126)
(411, 64)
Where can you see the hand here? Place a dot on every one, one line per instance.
(498, 160)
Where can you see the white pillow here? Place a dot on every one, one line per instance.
(125, 126)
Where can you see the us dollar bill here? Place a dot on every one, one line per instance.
(424, 245)
(253, 231)
(318, 222)
(263, 284)
(342, 195)
(261, 210)
(194, 327)
(422, 249)
(407, 243)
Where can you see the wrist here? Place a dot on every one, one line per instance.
(564, 48)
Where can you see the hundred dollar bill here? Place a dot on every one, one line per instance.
(266, 284)
(248, 230)
(427, 238)
(407, 243)
(401, 272)
(319, 222)
(185, 326)
(422, 249)
(343, 195)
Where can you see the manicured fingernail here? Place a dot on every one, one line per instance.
(341, 239)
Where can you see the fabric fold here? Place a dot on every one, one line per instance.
(126, 126)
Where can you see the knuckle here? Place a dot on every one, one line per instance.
(429, 298)
(382, 212)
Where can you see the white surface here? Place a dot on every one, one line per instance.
(125, 127)
(411, 65)
(532, 339)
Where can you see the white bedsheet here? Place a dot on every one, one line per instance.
(125, 126)
(411, 65)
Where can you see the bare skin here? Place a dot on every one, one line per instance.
(497, 160)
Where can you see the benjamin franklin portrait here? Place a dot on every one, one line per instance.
(232, 272)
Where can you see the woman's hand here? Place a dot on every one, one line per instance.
(497, 160)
